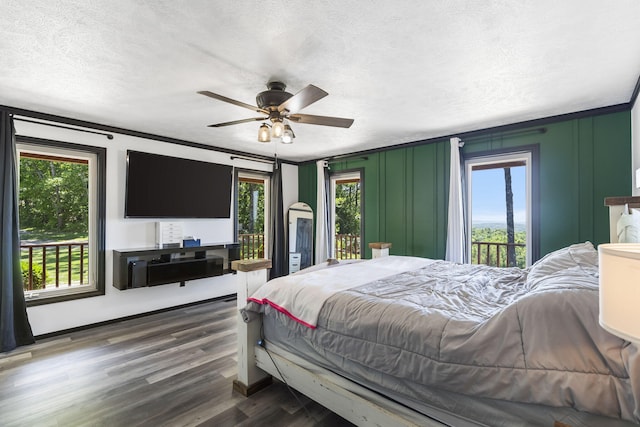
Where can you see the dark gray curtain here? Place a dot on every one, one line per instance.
(279, 266)
(14, 325)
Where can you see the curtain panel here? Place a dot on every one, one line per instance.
(278, 246)
(456, 224)
(323, 224)
(15, 329)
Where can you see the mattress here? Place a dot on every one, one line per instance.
(453, 409)
(496, 346)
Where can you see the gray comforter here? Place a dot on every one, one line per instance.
(519, 335)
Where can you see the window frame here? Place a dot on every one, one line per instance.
(529, 153)
(239, 173)
(333, 178)
(97, 215)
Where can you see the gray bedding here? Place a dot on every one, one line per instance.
(528, 336)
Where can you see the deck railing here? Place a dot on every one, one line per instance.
(251, 246)
(67, 261)
(495, 254)
(347, 246)
(70, 259)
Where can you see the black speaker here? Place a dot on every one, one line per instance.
(137, 274)
(234, 253)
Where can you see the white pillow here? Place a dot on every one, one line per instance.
(628, 227)
(582, 255)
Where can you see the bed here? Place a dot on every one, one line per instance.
(411, 341)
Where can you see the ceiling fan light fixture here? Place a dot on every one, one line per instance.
(277, 129)
(287, 135)
(264, 135)
(278, 107)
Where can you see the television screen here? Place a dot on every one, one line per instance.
(170, 187)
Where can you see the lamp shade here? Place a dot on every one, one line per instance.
(264, 134)
(277, 129)
(287, 136)
(619, 265)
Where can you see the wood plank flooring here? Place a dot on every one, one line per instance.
(168, 369)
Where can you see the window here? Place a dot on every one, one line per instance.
(346, 197)
(500, 208)
(62, 214)
(252, 213)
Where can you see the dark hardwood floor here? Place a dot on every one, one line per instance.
(169, 369)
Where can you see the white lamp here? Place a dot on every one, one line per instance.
(288, 135)
(277, 129)
(620, 289)
(264, 135)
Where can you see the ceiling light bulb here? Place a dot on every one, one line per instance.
(287, 135)
(277, 129)
(264, 134)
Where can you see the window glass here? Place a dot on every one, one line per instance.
(61, 240)
(346, 190)
(252, 214)
(499, 210)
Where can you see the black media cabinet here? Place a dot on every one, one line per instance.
(136, 268)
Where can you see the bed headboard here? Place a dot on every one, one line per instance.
(616, 207)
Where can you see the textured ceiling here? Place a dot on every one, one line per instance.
(405, 70)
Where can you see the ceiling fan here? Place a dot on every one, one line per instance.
(279, 106)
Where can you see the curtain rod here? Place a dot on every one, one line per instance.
(108, 135)
(252, 159)
(508, 133)
(338, 160)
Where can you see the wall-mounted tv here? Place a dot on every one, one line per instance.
(170, 187)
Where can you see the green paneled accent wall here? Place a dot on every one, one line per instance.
(582, 161)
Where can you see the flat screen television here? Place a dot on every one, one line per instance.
(170, 187)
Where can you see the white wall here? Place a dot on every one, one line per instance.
(124, 233)
(635, 146)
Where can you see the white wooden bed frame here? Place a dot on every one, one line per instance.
(354, 403)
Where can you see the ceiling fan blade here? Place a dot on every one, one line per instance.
(237, 122)
(321, 120)
(305, 97)
(232, 101)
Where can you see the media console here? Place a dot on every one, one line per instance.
(136, 268)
